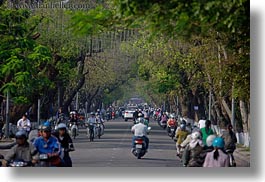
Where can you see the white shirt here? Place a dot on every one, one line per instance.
(92, 120)
(202, 123)
(139, 129)
(24, 124)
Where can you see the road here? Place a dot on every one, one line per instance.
(114, 148)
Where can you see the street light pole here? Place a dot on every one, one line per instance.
(233, 108)
(38, 117)
(210, 104)
(7, 115)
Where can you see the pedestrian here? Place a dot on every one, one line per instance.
(217, 158)
(206, 131)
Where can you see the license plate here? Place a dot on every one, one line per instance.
(139, 146)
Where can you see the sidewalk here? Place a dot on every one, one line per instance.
(242, 156)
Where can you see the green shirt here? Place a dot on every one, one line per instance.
(205, 134)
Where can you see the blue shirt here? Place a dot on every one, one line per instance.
(51, 146)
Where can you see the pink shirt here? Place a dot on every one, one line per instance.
(222, 161)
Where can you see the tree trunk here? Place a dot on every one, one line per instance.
(245, 120)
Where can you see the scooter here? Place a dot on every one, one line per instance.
(171, 131)
(163, 124)
(19, 163)
(73, 129)
(140, 148)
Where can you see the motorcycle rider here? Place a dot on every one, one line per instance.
(48, 144)
(101, 122)
(23, 150)
(217, 158)
(140, 130)
(206, 131)
(24, 124)
(230, 140)
(60, 116)
(172, 123)
(66, 143)
(91, 123)
(181, 135)
(191, 154)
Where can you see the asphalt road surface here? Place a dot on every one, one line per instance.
(114, 148)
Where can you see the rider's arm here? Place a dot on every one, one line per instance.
(19, 123)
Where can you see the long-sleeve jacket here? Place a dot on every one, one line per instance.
(26, 152)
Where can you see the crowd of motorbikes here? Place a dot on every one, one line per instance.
(164, 121)
(64, 143)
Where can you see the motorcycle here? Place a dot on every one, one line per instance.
(99, 130)
(139, 149)
(46, 161)
(73, 129)
(90, 131)
(19, 163)
(232, 161)
(163, 124)
(171, 131)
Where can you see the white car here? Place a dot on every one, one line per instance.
(128, 114)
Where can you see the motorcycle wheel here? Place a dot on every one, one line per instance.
(74, 133)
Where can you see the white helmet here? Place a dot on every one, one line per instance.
(61, 126)
(210, 139)
(196, 135)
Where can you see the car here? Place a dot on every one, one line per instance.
(128, 114)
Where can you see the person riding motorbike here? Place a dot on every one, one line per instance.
(140, 130)
(229, 138)
(22, 151)
(66, 143)
(101, 122)
(60, 116)
(24, 124)
(181, 135)
(172, 123)
(217, 158)
(206, 131)
(207, 148)
(230, 142)
(191, 154)
(91, 123)
(48, 144)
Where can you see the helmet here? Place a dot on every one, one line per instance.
(182, 126)
(183, 121)
(140, 115)
(46, 126)
(92, 113)
(218, 142)
(196, 135)
(98, 110)
(40, 127)
(140, 120)
(172, 116)
(210, 139)
(47, 123)
(21, 134)
(61, 126)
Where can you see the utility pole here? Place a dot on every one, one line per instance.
(76, 101)
(210, 104)
(233, 108)
(7, 115)
(38, 117)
